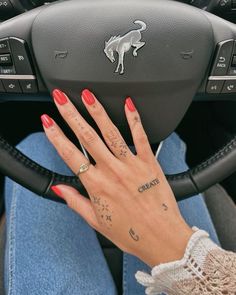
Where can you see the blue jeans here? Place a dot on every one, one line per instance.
(51, 250)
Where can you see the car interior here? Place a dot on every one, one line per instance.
(181, 72)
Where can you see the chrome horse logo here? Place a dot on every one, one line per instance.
(122, 44)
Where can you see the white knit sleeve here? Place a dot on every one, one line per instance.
(204, 269)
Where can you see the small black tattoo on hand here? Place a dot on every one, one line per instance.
(108, 217)
(113, 138)
(105, 207)
(123, 148)
(165, 207)
(133, 235)
(148, 185)
(103, 210)
(123, 153)
(96, 200)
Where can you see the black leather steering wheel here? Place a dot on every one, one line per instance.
(164, 52)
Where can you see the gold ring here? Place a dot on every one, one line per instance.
(83, 168)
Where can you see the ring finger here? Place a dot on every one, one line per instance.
(109, 131)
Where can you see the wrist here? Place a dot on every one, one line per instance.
(168, 246)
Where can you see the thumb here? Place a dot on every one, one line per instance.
(77, 202)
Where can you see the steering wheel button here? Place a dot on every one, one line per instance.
(12, 86)
(7, 70)
(4, 46)
(233, 4)
(229, 86)
(214, 86)
(1, 87)
(223, 58)
(6, 9)
(233, 63)
(20, 56)
(5, 59)
(28, 86)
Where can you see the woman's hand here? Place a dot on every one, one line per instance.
(131, 202)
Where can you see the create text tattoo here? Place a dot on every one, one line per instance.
(148, 185)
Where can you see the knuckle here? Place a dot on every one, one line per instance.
(89, 180)
(74, 118)
(71, 202)
(141, 136)
(67, 153)
(113, 136)
(89, 136)
(119, 172)
(70, 114)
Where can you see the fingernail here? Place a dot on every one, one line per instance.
(59, 96)
(57, 191)
(130, 104)
(46, 120)
(88, 96)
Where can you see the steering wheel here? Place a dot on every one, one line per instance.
(161, 53)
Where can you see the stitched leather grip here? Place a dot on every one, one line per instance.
(38, 179)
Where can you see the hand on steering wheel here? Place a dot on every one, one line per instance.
(131, 202)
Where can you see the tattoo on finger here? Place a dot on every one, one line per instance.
(71, 114)
(117, 143)
(89, 137)
(136, 119)
(113, 138)
(74, 115)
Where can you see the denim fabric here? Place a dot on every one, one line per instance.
(194, 211)
(51, 250)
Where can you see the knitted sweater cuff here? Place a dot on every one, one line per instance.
(172, 277)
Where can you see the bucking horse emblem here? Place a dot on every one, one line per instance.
(122, 44)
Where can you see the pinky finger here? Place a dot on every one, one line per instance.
(78, 203)
(140, 139)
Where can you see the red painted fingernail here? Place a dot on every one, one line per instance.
(46, 120)
(59, 96)
(57, 191)
(88, 96)
(130, 104)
